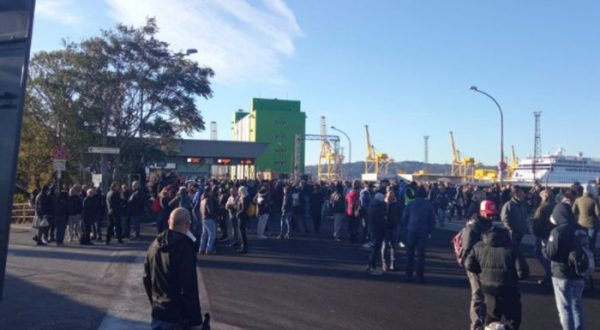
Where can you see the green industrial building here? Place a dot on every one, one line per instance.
(276, 122)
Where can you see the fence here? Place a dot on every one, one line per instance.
(22, 213)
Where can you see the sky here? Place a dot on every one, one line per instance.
(402, 67)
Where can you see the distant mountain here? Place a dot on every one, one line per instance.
(409, 167)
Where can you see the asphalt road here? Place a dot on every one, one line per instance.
(312, 282)
(308, 282)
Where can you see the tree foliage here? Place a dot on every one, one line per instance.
(123, 88)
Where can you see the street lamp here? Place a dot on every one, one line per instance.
(501, 165)
(349, 149)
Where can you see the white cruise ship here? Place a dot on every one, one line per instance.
(558, 169)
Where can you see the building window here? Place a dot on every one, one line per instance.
(280, 123)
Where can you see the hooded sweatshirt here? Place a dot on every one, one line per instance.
(560, 242)
(170, 279)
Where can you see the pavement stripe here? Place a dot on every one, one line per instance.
(132, 309)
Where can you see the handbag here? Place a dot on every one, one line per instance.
(44, 223)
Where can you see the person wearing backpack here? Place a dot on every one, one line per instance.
(499, 265)
(469, 236)
(568, 284)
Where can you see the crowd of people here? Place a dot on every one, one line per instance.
(384, 217)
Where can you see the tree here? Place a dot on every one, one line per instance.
(123, 88)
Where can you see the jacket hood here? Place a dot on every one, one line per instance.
(170, 238)
(562, 215)
(496, 237)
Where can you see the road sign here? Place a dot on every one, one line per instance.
(59, 152)
(60, 165)
(104, 150)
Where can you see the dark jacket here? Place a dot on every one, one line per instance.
(171, 281)
(114, 204)
(541, 224)
(560, 242)
(286, 204)
(337, 203)
(242, 208)
(135, 204)
(43, 204)
(419, 216)
(75, 205)
(89, 210)
(472, 234)
(208, 208)
(377, 217)
(514, 216)
(497, 261)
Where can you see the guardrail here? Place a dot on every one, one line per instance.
(22, 213)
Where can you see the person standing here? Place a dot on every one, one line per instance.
(231, 207)
(262, 200)
(135, 206)
(243, 218)
(393, 215)
(587, 211)
(88, 215)
(419, 218)
(43, 208)
(170, 277)
(286, 214)
(476, 226)
(316, 206)
(208, 213)
(499, 265)
(223, 221)
(541, 229)
(126, 213)
(514, 216)
(74, 214)
(377, 218)
(115, 211)
(568, 286)
(353, 211)
(337, 209)
(61, 210)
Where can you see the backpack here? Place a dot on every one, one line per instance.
(457, 244)
(156, 205)
(581, 258)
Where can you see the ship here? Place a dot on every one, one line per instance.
(557, 169)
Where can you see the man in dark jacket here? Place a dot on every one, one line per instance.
(499, 265)
(568, 286)
(472, 233)
(89, 214)
(135, 207)
(541, 229)
(514, 216)
(419, 218)
(114, 207)
(377, 220)
(170, 277)
(43, 209)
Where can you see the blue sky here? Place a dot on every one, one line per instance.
(402, 67)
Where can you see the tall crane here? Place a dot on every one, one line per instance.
(514, 163)
(463, 167)
(376, 162)
(329, 166)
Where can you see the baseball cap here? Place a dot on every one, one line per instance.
(488, 207)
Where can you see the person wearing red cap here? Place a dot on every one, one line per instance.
(499, 265)
(478, 224)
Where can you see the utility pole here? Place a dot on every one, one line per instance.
(426, 159)
(537, 145)
(213, 131)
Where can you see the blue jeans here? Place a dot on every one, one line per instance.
(209, 233)
(164, 325)
(593, 234)
(415, 242)
(376, 251)
(568, 302)
(286, 219)
(537, 250)
(135, 223)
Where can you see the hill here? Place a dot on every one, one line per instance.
(357, 168)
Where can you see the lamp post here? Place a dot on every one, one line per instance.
(501, 165)
(349, 149)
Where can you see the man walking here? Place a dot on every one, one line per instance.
(419, 218)
(170, 277)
